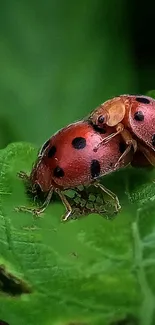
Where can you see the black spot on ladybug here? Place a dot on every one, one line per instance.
(95, 168)
(45, 145)
(153, 140)
(58, 172)
(79, 143)
(139, 116)
(122, 147)
(52, 152)
(143, 100)
(102, 130)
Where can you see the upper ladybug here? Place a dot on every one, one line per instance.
(135, 113)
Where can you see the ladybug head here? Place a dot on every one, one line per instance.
(110, 112)
(99, 116)
(40, 177)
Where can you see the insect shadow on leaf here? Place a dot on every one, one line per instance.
(128, 320)
(2, 322)
(11, 285)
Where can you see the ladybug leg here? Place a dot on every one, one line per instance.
(119, 129)
(140, 160)
(23, 176)
(131, 145)
(66, 204)
(26, 179)
(41, 209)
(150, 156)
(110, 193)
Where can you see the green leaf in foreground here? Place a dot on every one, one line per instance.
(88, 271)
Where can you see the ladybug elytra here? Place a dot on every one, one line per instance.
(70, 159)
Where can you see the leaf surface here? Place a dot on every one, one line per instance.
(87, 271)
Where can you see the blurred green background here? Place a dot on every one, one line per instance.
(60, 59)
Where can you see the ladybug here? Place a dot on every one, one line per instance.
(69, 159)
(133, 113)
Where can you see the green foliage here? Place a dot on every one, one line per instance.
(87, 271)
(59, 60)
(151, 93)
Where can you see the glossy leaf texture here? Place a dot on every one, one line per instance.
(88, 271)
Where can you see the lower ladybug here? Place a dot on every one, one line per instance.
(129, 112)
(70, 159)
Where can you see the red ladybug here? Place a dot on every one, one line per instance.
(69, 159)
(133, 113)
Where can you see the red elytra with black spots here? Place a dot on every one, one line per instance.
(69, 159)
(136, 113)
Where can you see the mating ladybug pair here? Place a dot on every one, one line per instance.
(118, 132)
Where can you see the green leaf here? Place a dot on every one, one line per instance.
(88, 271)
(151, 93)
